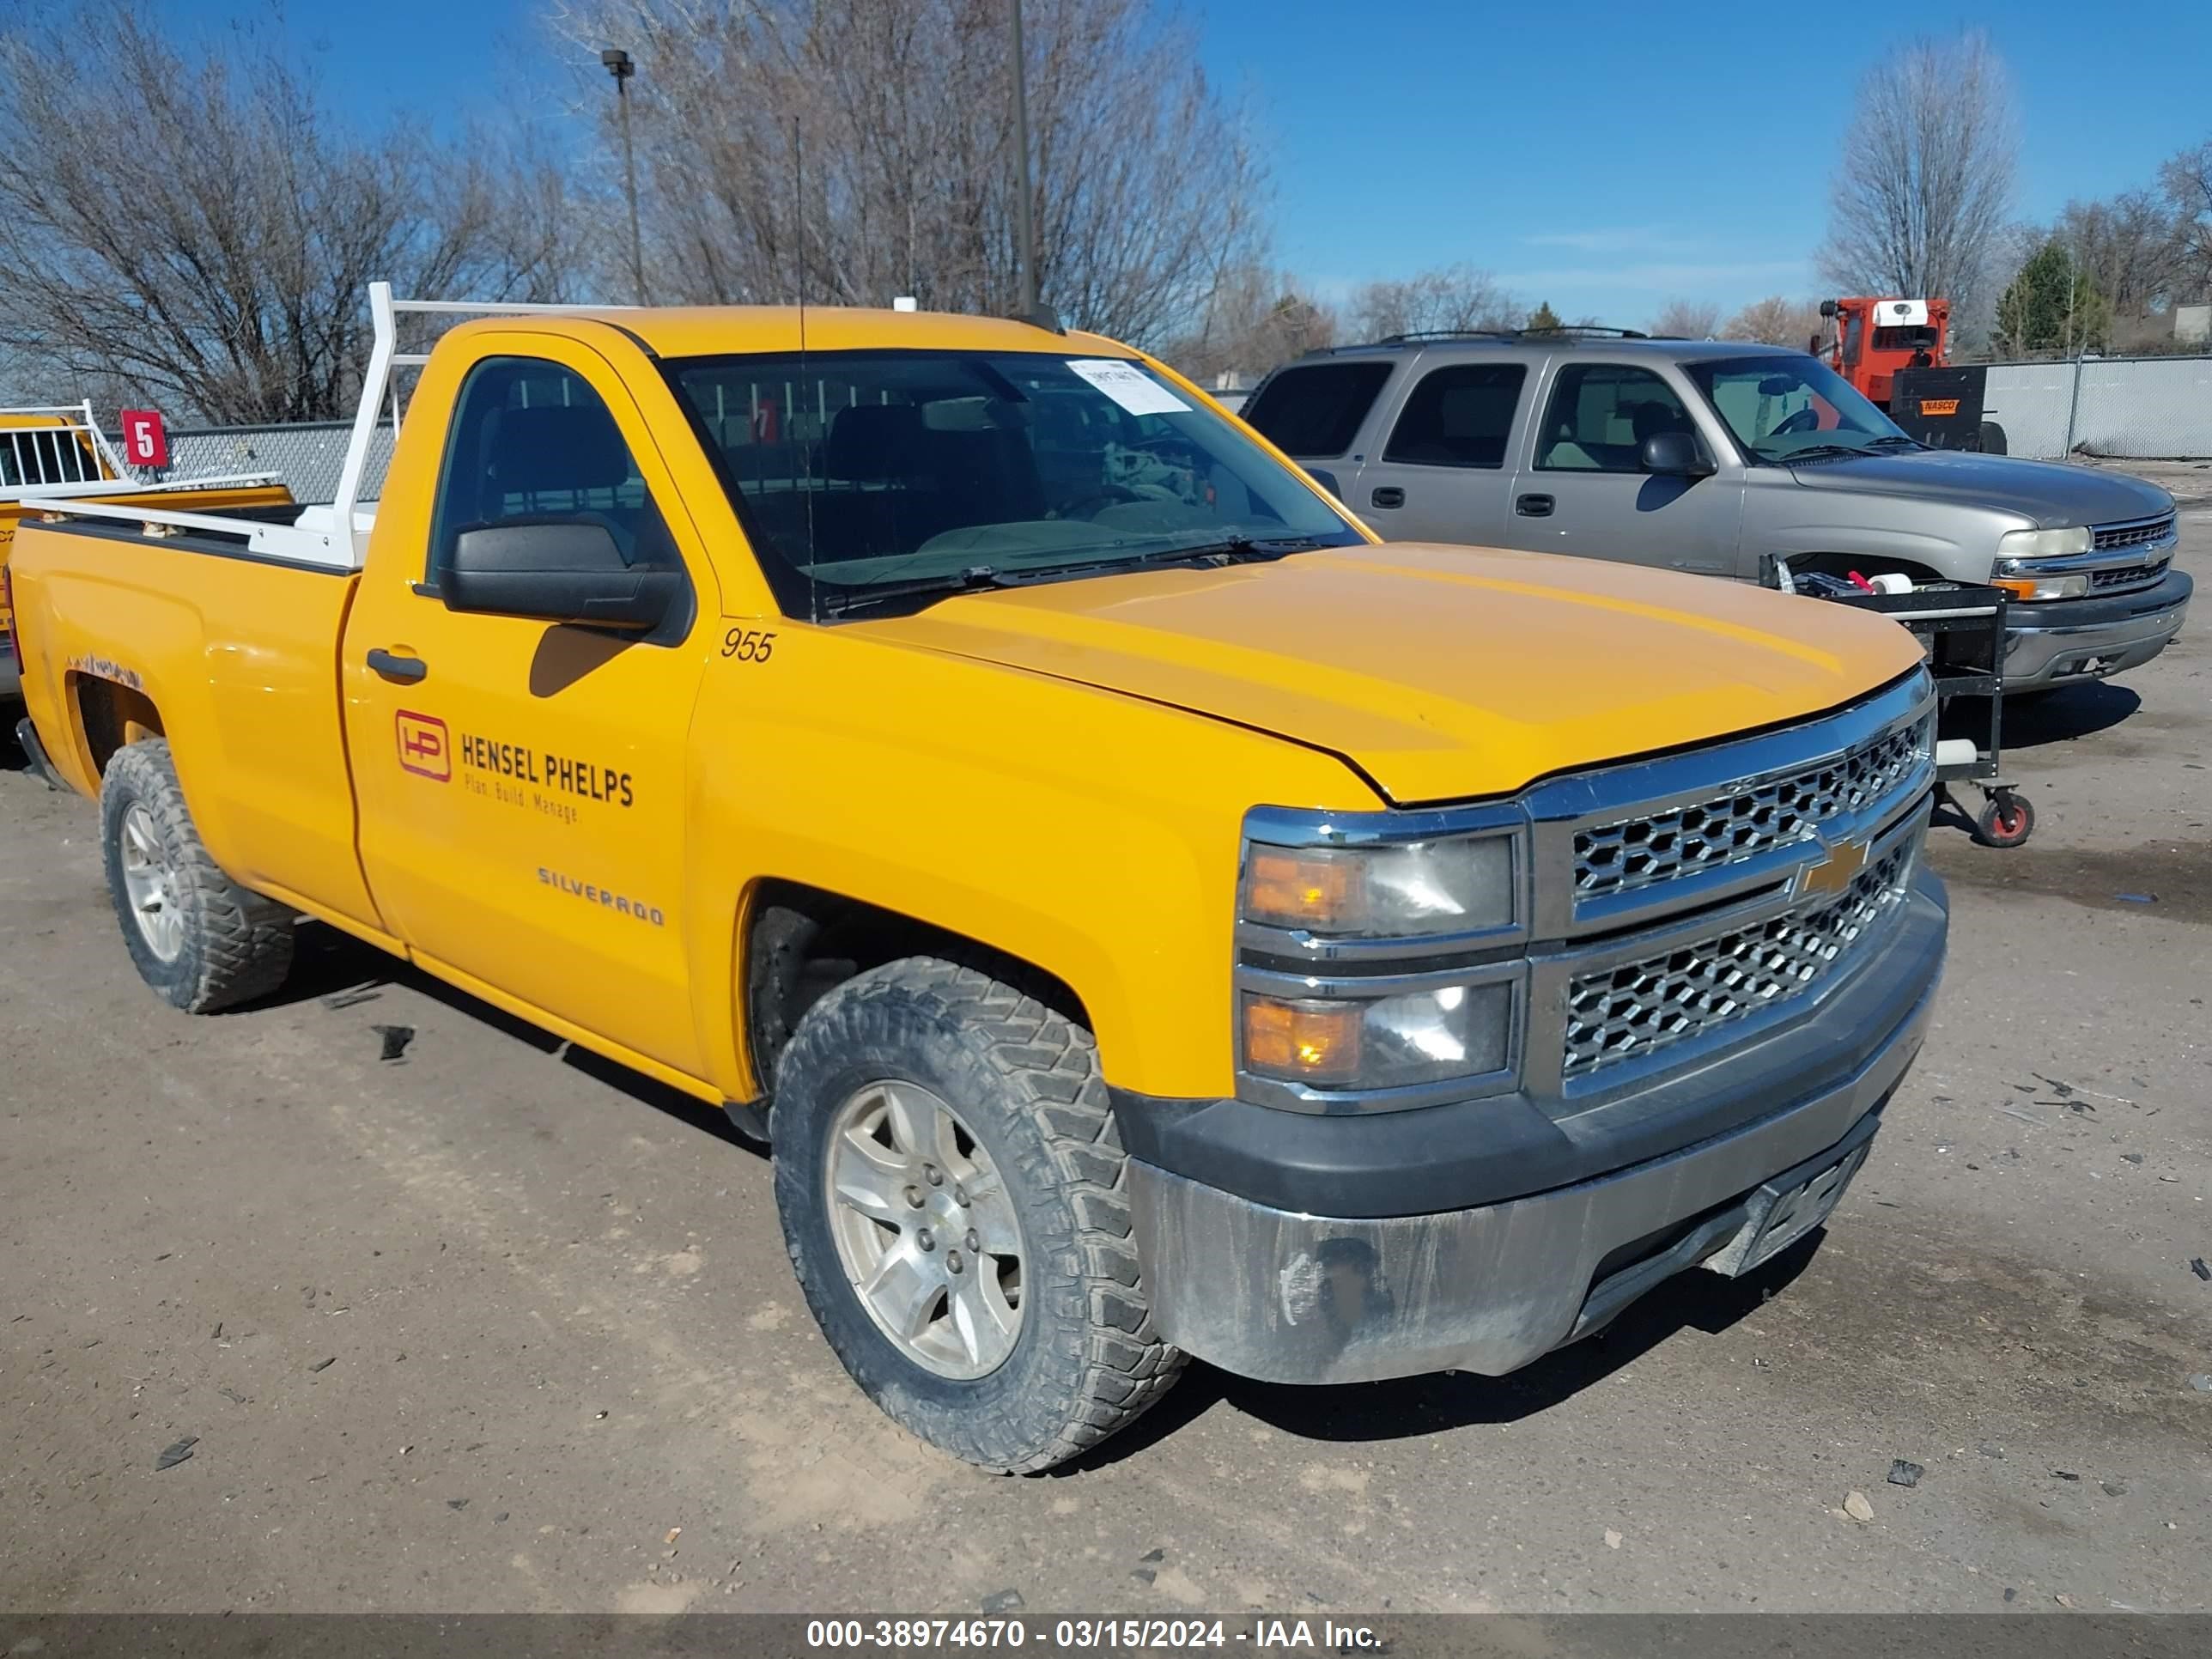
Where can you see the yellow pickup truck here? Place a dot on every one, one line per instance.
(1148, 915)
(51, 452)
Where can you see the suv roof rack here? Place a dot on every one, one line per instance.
(1565, 331)
(1414, 334)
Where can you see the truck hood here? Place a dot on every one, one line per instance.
(1443, 673)
(2051, 497)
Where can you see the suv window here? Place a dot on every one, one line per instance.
(531, 441)
(1601, 413)
(1460, 416)
(1316, 411)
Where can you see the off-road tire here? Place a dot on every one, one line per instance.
(1025, 1078)
(237, 944)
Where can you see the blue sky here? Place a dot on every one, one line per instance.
(1606, 158)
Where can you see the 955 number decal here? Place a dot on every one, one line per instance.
(749, 644)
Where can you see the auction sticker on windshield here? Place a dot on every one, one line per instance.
(1128, 385)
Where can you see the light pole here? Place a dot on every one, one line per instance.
(619, 65)
(1024, 224)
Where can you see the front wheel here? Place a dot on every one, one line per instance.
(954, 1198)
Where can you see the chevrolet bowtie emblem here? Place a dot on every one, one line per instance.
(1834, 873)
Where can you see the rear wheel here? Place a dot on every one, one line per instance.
(1992, 438)
(954, 1198)
(197, 938)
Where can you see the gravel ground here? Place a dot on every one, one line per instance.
(483, 1328)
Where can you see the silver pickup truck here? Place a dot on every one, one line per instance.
(1709, 456)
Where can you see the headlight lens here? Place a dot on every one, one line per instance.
(1382, 1042)
(2022, 568)
(2015, 544)
(1449, 885)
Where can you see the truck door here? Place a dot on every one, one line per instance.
(1582, 487)
(1441, 474)
(521, 781)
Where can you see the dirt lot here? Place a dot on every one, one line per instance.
(480, 1328)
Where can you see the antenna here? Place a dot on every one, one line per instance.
(1032, 310)
(790, 416)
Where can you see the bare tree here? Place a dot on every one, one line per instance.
(229, 274)
(1774, 321)
(1256, 319)
(2129, 245)
(2187, 182)
(1451, 297)
(846, 153)
(1920, 196)
(1687, 320)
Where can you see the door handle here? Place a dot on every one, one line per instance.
(1388, 495)
(1533, 506)
(402, 671)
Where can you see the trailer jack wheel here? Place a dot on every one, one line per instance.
(2006, 819)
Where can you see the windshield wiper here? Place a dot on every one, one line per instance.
(847, 600)
(1897, 438)
(1236, 550)
(1821, 453)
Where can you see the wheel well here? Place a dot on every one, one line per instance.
(802, 942)
(1866, 564)
(112, 715)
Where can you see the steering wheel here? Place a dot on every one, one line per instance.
(1104, 494)
(1803, 421)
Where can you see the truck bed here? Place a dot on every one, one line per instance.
(237, 644)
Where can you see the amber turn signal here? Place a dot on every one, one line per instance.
(1304, 1041)
(1297, 889)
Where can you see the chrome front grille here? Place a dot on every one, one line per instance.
(2109, 538)
(1727, 829)
(2126, 576)
(1639, 1006)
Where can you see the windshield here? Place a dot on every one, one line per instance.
(1782, 408)
(876, 475)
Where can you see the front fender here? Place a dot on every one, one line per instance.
(1957, 542)
(1093, 836)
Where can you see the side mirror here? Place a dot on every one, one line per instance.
(563, 570)
(1326, 479)
(1676, 455)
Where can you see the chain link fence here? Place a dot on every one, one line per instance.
(2128, 407)
(306, 457)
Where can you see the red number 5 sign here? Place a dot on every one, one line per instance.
(145, 441)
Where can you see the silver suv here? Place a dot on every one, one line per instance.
(1713, 456)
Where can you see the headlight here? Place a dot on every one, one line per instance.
(1449, 886)
(1381, 957)
(1427, 1036)
(2016, 544)
(2023, 560)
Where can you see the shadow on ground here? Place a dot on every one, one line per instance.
(2058, 716)
(337, 971)
(343, 972)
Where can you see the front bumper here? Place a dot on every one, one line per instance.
(2063, 640)
(1298, 1295)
